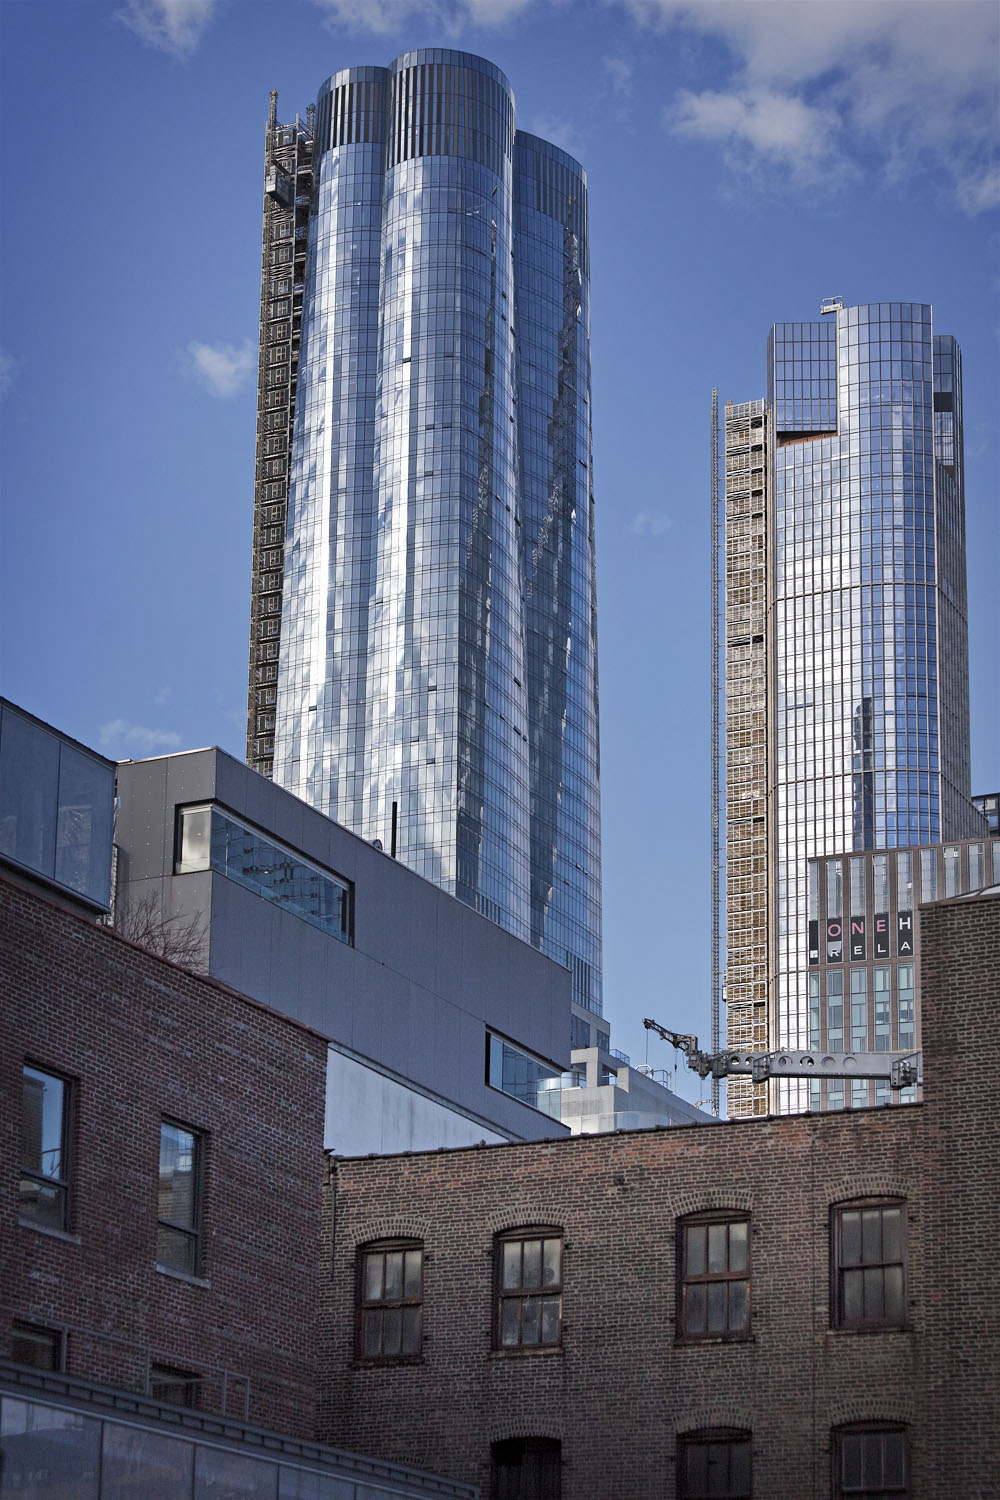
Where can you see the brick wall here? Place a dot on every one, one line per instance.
(960, 953)
(140, 1039)
(622, 1388)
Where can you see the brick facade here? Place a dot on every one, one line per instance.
(622, 1388)
(141, 1039)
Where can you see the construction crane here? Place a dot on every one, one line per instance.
(900, 1068)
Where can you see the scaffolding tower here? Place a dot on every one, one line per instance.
(288, 168)
(745, 659)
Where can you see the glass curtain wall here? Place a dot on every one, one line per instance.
(868, 608)
(437, 681)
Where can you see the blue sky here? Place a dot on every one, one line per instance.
(745, 160)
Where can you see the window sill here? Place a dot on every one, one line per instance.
(52, 1234)
(531, 1351)
(403, 1362)
(869, 1329)
(712, 1340)
(176, 1275)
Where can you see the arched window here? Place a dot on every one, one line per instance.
(526, 1468)
(390, 1300)
(714, 1464)
(529, 1284)
(868, 1262)
(713, 1291)
(870, 1461)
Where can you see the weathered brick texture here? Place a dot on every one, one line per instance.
(622, 1389)
(141, 1038)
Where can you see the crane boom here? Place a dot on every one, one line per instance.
(900, 1068)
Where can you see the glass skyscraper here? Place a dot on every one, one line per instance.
(424, 658)
(846, 655)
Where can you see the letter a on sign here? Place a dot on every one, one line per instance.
(904, 934)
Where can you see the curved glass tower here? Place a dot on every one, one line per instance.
(846, 642)
(436, 682)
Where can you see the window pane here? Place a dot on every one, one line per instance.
(177, 1175)
(873, 1300)
(530, 1312)
(177, 1250)
(740, 1469)
(696, 1469)
(737, 1306)
(853, 1289)
(43, 1202)
(892, 1248)
(850, 1239)
(716, 1306)
(48, 1452)
(140, 1465)
(550, 1320)
(193, 853)
(39, 1347)
(512, 1263)
(223, 1476)
(532, 1266)
(718, 1239)
(394, 1275)
(553, 1255)
(371, 1333)
(42, 1123)
(694, 1308)
(738, 1246)
(893, 1290)
(411, 1330)
(871, 1236)
(392, 1330)
(509, 1331)
(697, 1239)
(894, 1458)
(373, 1277)
(412, 1277)
(850, 1461)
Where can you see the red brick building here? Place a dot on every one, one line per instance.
(162, 1192)
(787, 1308)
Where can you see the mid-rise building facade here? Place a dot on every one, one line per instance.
(846, 656)
(864, 981)
(644, 1314)
(424, 663)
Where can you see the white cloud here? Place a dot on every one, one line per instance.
(222, 368)
(620, 75)
(770, 123)
(452, 16)
(910, 87)
(649, 523)
(172, 26)
(8, 367)
(560, 132)
(980, 191)
(120, 734)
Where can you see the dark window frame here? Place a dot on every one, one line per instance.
(193, 1233)
(839, 1317)
(707, 1438)
(366, 1306)
(524, 1293)
(507, 1462)
(863, 1490)
(43, 1337)
(171, 1378)
(687, 1331)
(61, 1182)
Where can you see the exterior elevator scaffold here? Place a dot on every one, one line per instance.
(717, 866)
